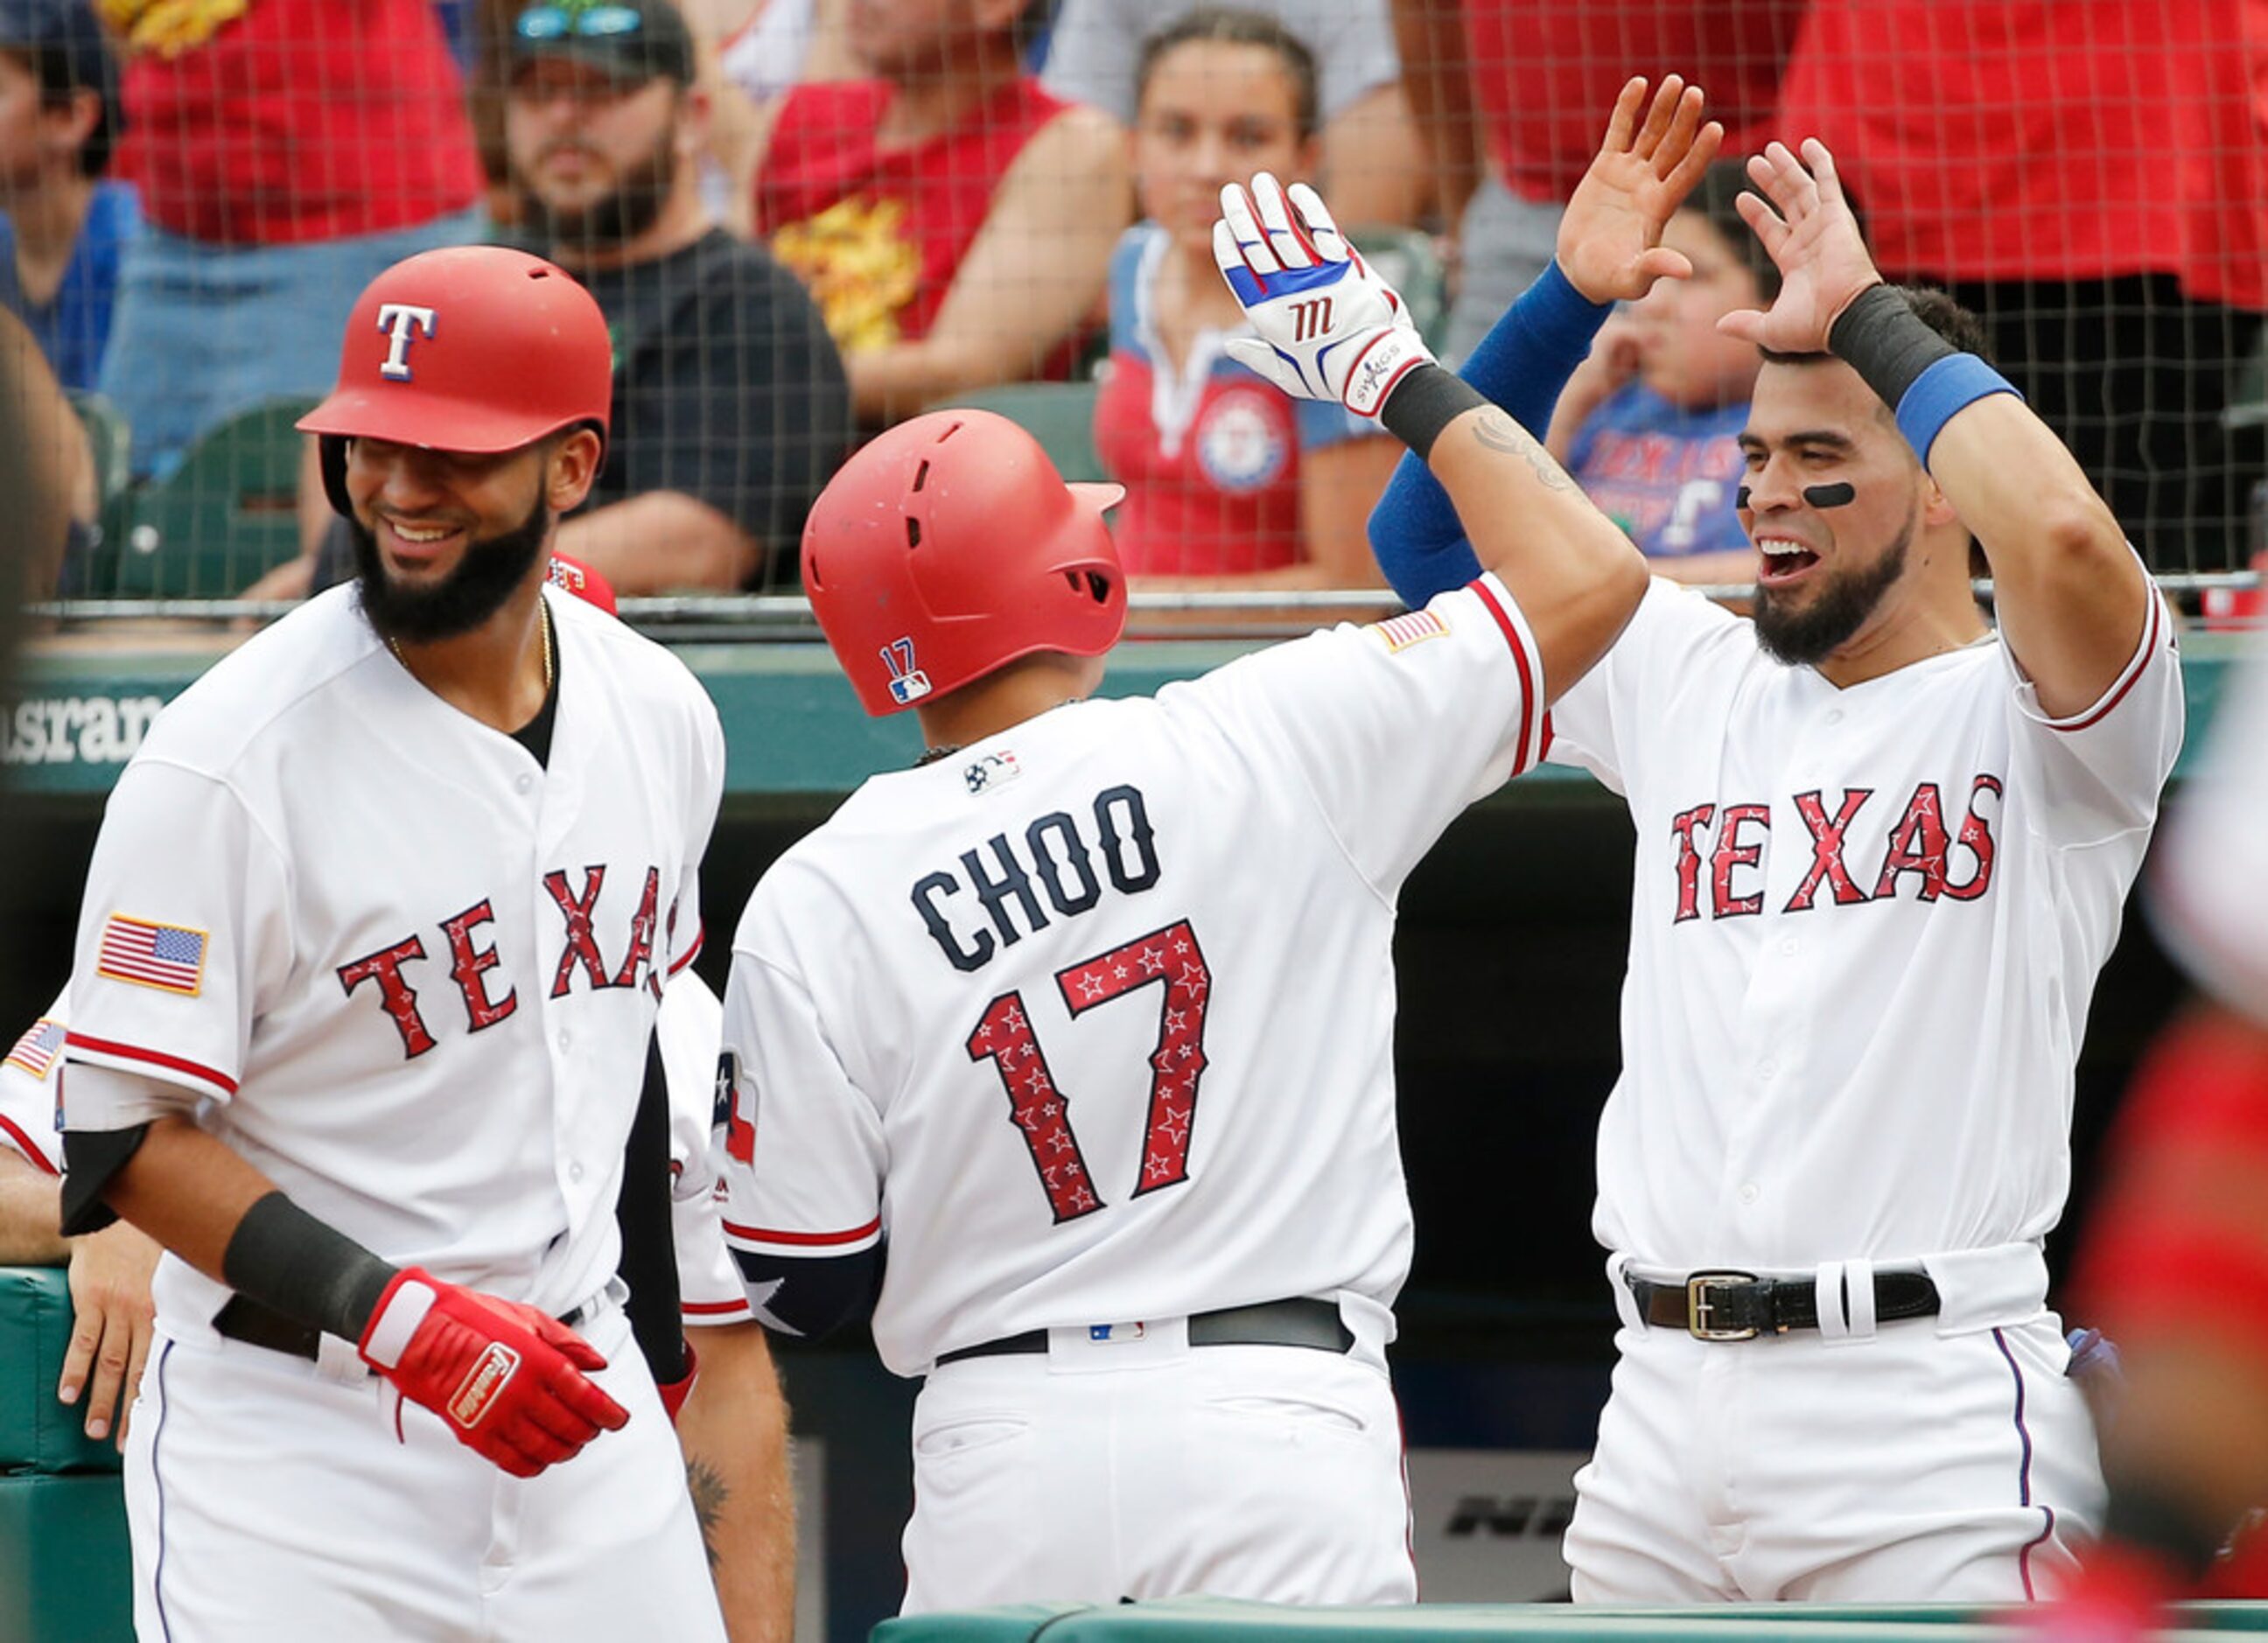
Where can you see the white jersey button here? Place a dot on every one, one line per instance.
(1748, 1192)
(1789, 946)
(574, 1172)
(1765, 1070)
(523, 781)
(1834, 715)
(565, 1039)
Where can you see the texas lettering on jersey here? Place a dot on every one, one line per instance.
(470, 961)
(1730, 839)
(1059, 859)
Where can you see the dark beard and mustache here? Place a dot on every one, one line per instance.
(634, 206)
(487, 575)
(1805, 638)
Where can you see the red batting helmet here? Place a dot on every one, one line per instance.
(950, 547)
(472, 348)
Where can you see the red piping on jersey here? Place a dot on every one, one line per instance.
(703, 1309)
(2141, 667)
(29, 1147)
(1528, 703)
(692, 951)
(765, 1235)
(156, 1057)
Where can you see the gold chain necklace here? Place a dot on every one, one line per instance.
(550, 669)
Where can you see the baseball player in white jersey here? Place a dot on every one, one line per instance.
(373, 937)
(1882, 850)
(1075, 1037)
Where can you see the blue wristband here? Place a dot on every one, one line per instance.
(1948, 387)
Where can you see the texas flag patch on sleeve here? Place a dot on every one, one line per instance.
(168, 957)
(1412, 628)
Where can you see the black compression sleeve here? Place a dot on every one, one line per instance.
(1428, 399)
(1880, 337)
(288, 1261)
(91, 1157)
(649, 1262)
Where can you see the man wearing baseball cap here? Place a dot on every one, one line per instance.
(63, 226)
(373, 940)
(732, 409)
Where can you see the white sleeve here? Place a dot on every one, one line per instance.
(1394, 728)
(802, 1156)
(31, 1092)
(1353, 42)
(684, 935)
(2210, 891)
(2098, 773)
(1092, 50)
(1592, 725)
(690, 1028)
(183, 935)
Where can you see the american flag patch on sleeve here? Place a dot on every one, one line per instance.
(168, 957)
(1414, 627)
(37, 1049)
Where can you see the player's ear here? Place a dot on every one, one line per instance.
(571, 467)
(1936, 510)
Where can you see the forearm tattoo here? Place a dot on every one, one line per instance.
(1497, 432)
(710, 1493)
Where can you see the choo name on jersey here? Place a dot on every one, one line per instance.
(1056, 865)
(472, 955)
(1720, 850)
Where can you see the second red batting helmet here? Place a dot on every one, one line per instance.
(950, 547)
(473, 348)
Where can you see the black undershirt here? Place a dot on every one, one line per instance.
(535, 735)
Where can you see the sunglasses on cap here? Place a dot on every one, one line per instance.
(584, 22)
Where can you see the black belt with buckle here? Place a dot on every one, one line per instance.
(245, 1319)
(1301, 1322)
(1740, 1306)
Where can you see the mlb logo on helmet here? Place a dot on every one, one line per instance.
(908, 682)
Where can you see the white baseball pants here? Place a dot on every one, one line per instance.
(1905, 1468)
(1150, 1468)
(267, 1502)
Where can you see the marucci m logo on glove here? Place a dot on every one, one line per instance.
(491, 1372)
(1310, 319)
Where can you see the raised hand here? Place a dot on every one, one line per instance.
(1807, 230)
(507, 1381)
(1329, 328)
(1609, 243)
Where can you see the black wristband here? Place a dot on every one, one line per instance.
(1880, 337)
(288, 1261)
(1426, 401)
(2154, 1523)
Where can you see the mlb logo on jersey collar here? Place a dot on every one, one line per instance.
(993, 770)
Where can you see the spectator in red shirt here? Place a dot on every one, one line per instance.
(954, 220)
(287, 152)
(1507, 94)
(2120, 283)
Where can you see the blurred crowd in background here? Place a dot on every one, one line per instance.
(806, 219)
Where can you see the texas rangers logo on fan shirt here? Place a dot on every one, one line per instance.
(402, 322)
(168, 957)
(908, 682)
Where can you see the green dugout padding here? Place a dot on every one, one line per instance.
(65, 1573)
(1203, 1619)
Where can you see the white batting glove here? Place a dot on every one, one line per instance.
(1330, 328)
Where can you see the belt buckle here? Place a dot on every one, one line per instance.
(1698, 1306)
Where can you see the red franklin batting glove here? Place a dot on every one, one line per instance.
(506, 1379)
(674, 1393)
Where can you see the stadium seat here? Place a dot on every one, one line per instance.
(1059, 415)
(222, 520)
